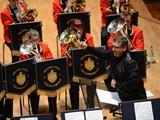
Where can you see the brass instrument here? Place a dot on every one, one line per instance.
(79, 4)
(70, 37)
(118, 25)
(27, 47)
(30, 14)
(127, 7)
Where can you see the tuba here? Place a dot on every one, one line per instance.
(27, 47)
(79, 4)
(117, 25)
(30, 14)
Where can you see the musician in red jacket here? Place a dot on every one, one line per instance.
(40, 52)
(10, 15)
(107, 7)
(63, 6)
(74, 91)
(134, 33)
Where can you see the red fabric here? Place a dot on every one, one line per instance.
(89, 41)
(7, 19)
(58, 9)
(47, 54)
(104, 7)
(137, 41)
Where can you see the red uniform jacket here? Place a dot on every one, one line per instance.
(89, 41)
(46, 53)
(137, 40)
(58, 9)
(105, 9)
(7, 20)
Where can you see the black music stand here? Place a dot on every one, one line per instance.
(52, 77)
(2, 88)
(65, 19)
(140, 57)
(34, 117)
(94, 113)
(88, 69)
(20, 79)
(132, 110)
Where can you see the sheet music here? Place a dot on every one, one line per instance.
(74, 116)
(112, 97)
(29, 118)
(108, 97)
(94, 115)
(143, 110)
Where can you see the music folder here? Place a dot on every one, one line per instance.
(86, 114)
(147, 109)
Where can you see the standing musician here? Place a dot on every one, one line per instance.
(63, 6)
(134, 33)
(82, 36)
(43, 50)
(10, 15)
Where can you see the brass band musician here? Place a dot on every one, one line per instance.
(64, 6)
(14, 12)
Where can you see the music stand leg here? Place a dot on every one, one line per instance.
(83, 95)
(29, 109)
(66, 100)
(20, 101)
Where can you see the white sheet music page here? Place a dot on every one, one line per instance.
(94, 115)
(143, 110)
(74, 115)
(29, 118)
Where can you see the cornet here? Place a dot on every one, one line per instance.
(27, 47)
(117, 25)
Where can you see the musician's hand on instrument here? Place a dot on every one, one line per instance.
(83, 45)
(116, 3)
(113, 83)
(22, 14)
(69, 5)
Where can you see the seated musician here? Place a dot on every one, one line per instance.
(82, 36)
(126, 78)
(134, 33)
(41, 52)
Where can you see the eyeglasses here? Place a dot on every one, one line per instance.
(116, 47)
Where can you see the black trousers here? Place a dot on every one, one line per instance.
(52, 101)
(6, 108)
(74, 93)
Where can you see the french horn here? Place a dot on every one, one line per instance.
(79, 4)
(117, 25)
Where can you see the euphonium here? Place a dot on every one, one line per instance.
(70, 37)
(79, 4)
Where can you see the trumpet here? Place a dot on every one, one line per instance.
(27, 48)
(117, 25)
